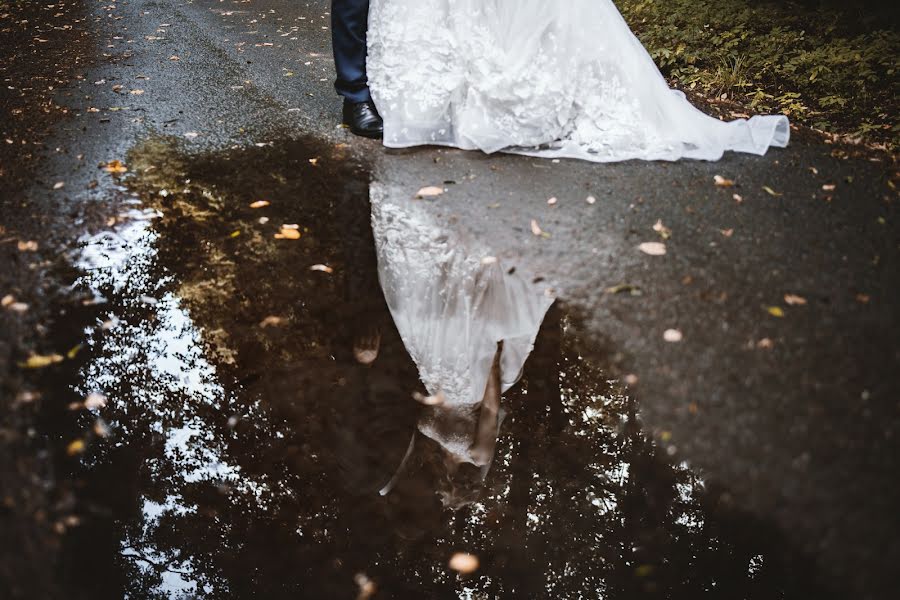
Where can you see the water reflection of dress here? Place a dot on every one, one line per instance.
(452, 307)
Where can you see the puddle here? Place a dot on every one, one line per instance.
(243, 446)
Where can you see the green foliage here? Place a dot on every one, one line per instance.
(822, 67)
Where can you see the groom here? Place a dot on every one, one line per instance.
(349, 23)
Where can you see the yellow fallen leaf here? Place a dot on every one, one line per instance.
(287, 233)
(75, 447)
(429, 192)
(663, 231)
(464, 563)
(794, 300)
(771, 192)
(653, 248)
(39, 361)
(776, 311)
(115, 166)
(259, 204)
(74, 351)
(235, 233)
(723, 182)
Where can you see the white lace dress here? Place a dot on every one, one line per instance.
(554, 78)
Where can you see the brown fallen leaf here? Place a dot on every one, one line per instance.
(429, 192)
(765, 344)
(723, 182)
(39, 361)
(259, 204)
(464, 563)
(794, 300)
(863, 298)
(272, 321)
(653, 248)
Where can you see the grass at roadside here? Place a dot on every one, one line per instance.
(830, 68)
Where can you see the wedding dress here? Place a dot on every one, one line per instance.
(452, 303)
(549, 78)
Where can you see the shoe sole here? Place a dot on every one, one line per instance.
(366, 134)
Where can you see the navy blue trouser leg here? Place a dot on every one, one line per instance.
(349, 23)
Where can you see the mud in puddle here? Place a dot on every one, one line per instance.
(241, 416)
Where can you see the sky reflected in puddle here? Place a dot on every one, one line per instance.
(247, 443)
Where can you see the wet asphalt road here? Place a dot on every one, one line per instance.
(797, 414)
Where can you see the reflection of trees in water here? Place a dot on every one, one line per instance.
(257, 479)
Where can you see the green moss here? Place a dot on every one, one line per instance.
(834, 69)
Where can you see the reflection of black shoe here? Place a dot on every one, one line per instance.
(363, 119)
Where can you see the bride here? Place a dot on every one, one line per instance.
(535, 77)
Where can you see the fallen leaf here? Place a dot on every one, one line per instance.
(765, 344)
(829, 187)
(771, 192)
(191, 135)
(435, 400)
(464, 563)
(94, 401)
(429, 192)
(631, 379)
(535, 228)
(235, 233)
(322, 268)
(39, 361)
(73, 352)
(727, 232)
(136, 92)
(7, 300)
(27, 246)
(272, 321)
(489, 260)
(663, 231)
(776, 311)
(314, 161)
(552, 201)
(59, 185)
(723, 182)
(673, 336)
(115, 166)
(75, 447)
(738, 198)
(174, 57)
(653, 248)
(625, 288)
(863, 298)
(259, 204)
(590, 200)
(288, 233)
(794, 300)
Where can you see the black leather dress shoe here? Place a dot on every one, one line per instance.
(363, 119)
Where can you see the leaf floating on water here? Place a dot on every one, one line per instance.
(288, 232)
(464, 563)
(794, 300)
(723, 182)
(673, 336)
(435, 400)
(272, 321)
(39, 361)
(115, 166)
(625, 288)
(771, 192)
(322, 268)
(653, 248)
(95, 401)
(75, 447)
(259, 204)
(429, 192)
(776, 311)
(663, 231)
